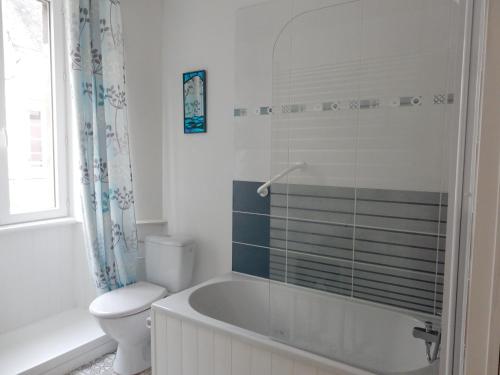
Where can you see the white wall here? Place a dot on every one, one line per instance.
(142, 33)
(199, 34)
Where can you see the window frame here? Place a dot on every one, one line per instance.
(59, 116)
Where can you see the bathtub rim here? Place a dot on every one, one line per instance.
(178, 306)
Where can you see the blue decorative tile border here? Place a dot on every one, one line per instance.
(380, 245)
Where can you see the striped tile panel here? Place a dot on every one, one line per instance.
(384, 246)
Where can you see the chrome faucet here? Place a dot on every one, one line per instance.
(431, 338)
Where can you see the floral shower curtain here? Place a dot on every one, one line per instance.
(95, 39)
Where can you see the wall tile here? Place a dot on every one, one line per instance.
(321, 273)
(391, 237)
(251, 229)
(251, 260)
(397, 287)
(246, 199)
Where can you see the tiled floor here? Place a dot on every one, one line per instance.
(101, 366)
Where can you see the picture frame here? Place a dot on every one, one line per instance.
(195, 101)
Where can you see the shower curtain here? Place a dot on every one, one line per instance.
(99, 108)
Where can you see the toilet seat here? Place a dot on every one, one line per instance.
(126, 301)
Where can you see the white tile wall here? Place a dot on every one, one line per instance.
(253, 85)
(184, 348)
(380, 49)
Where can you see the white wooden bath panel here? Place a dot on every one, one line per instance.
(183, 348)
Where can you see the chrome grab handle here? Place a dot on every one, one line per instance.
(263, 190)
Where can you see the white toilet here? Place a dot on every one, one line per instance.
(123, 313)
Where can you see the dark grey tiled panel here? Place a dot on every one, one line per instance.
(384, 246)
(379, 245)
(250, 226)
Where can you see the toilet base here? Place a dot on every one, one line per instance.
(132, 359)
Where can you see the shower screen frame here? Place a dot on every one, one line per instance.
(458, 261)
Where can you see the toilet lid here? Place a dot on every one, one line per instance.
(128, 300)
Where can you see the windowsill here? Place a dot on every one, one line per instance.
(63, 221)
(151, 222)
(38, 224)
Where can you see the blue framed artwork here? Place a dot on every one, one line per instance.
(195, 102)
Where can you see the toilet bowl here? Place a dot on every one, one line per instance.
(123, 313)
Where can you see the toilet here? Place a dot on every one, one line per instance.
(123, 313)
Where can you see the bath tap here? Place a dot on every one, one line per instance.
(430, 336)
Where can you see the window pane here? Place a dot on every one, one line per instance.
(28, 97)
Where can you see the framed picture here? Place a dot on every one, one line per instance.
(195, 102)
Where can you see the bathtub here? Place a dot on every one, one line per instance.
(242, 325)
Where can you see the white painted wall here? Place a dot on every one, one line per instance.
(199, 34)
(142, 33)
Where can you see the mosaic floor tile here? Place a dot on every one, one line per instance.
(101, 366)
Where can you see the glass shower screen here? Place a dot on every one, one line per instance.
(367, 94)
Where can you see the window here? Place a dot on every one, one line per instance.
(32, 112)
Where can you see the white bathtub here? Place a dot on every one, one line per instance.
(227, 326)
